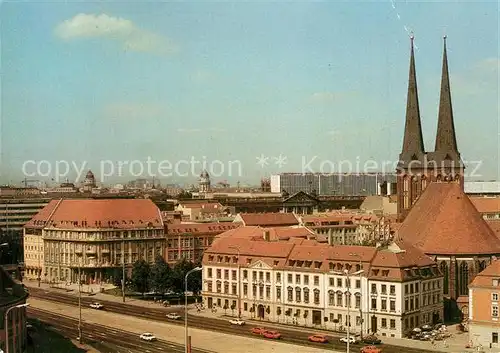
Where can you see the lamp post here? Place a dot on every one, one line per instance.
(7, 323)
(239, 281)
(79, 301)
(196, 269)
(123, 271)
(347, 274)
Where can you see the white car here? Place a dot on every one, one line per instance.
(148, 337)
(96, 306)
(173, 316)
(237, 322)
(351, 339)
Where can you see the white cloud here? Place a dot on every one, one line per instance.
(115, 28)
(133, 110)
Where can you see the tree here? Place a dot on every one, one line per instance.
(160, 278)
(140, 276)
(181, 268)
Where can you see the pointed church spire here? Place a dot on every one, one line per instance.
(446, 140)
(413, 142)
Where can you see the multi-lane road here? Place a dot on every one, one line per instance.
(204, 323)
(110, 339)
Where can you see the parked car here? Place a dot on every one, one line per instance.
(319, 338)
(352, 340)
(257, 330)
(372, 340)
(147, 337)
(96, 305)
(237, 322)
(173, 316)
(275, 335)
(370, 349)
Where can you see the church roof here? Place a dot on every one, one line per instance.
(444, 221)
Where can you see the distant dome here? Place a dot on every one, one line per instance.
(204, 174)
(89, 175)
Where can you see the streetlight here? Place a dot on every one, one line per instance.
(239, 281)
(346, 273)
(7, 322)
(123, 270)
(196, 269)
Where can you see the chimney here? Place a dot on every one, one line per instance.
(267, 236)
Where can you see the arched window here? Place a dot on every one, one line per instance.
(423, 182)
(414, 193)
(463, 276)
(348, 299)
(406, 189)
(297, 294)
(331, 298)
(444, 270)
(340, 299)
(457, 177)
(306, 295)
(438, 178)
(482, 265)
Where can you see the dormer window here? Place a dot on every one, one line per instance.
(414, 157)
(317, 264)
(210, 258)
(249, 261)
(375, 272)
(385, 273)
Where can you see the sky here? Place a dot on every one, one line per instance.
(143, 89)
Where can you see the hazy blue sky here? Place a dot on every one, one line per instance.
(87, 82)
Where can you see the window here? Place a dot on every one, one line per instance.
(245, 274)
(393, 305)
(358, 301)
(494, 311)
(316, 296)
(416, 287)
(233, 275)
(209, 273)
(226, 287)
(268, 277)
(358, 283)
(306, 295)
(494, 297)
(406, 305)
(348, 283)
(297, 279)
(278, 293)
(316, 280)
(374, 288)
(245, 289)
(384, 289)
(374, 304)
(393, 324)
(384, 323)
(331, 298)
(278, 277)
(254, 276)
(290, 278)
(219, 273)
(339, 282)
(332, 282)
(226, 274)
(393, 290)
(306, 280)
(233, 288)
(384, 305)
(340, 299)
(297, 294)
(494, 337)
(268, 292)
(209, 287)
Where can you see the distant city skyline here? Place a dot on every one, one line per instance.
(99, 84)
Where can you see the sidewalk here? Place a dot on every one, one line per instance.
(455, 344)
(93, 293)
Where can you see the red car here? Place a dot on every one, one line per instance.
(318, 338)
(257, 330)
(370, 349)
(275, 335)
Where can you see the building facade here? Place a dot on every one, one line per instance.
(484, 304)
(12, 296)
(303, 282)
(190, 240)
(416, 167)
(93, 236)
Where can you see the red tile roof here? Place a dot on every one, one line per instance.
(486, 204)
(106, 213)
(268, 219)
(486, 276)
(444, 221)
(276, 233)
(200, 228)
(399, 260)
(495, 226)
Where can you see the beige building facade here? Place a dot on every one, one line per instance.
(96, 237)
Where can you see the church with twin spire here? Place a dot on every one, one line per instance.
(416, 167)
